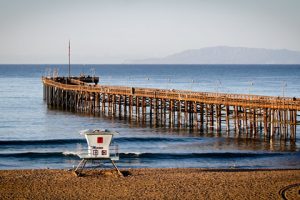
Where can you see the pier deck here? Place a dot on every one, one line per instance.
(250, 114)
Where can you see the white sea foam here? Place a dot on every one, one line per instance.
(66, 153)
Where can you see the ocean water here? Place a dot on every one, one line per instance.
(34, 136)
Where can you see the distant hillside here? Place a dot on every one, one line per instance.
(227, 55)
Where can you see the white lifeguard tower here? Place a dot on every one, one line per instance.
(100, 147)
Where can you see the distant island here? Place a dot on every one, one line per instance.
(227, 55)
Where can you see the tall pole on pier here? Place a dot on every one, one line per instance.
(69, 59)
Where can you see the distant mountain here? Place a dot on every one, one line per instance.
(227, 55)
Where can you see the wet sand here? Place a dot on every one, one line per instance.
(150, 184)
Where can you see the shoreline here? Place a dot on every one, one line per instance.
(151, 183)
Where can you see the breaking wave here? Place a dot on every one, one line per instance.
(165, 156)
(83, 141)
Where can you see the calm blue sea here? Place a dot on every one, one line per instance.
(33, 136)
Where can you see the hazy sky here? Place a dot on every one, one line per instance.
(38, 31)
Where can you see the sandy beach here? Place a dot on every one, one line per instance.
(150, 184)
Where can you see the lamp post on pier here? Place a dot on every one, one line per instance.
(69, 59)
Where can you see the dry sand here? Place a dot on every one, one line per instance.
(150, 184)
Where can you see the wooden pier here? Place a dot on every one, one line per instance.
(251, 116)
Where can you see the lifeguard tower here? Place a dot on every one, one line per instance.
(100, 147)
